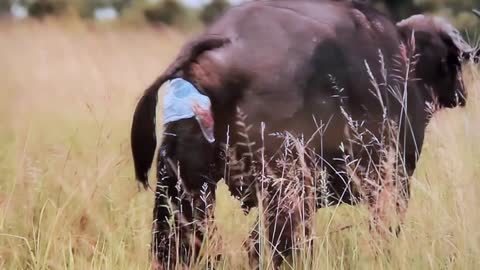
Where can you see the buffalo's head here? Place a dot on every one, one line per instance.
(441, 52)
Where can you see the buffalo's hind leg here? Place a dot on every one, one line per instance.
(180, 220)
(389, 200)
(163, 244)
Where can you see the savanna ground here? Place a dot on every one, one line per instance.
(68, 198)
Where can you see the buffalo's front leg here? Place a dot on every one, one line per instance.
(388, 202)
(383, 183)
(281, 227)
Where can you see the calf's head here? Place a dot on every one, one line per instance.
(441, 51)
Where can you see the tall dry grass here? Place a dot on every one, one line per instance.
(68, 199)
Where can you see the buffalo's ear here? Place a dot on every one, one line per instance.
(475, 57)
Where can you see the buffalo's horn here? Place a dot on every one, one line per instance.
(476, 12)
(476, 55)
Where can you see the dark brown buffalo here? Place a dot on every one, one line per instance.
(271, 67)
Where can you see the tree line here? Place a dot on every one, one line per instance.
(169, 12)
(173, 12)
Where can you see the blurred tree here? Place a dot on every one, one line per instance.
(402, 8)
(42, 8)
(457, 11)
(213, 10)
(168, 12)
(397, 9)
(4, 7)
(120, 5)
(454, 5)
(134, 12)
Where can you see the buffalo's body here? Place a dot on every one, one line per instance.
(315, 69)
(301, 65)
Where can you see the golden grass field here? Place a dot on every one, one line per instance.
(68, 198)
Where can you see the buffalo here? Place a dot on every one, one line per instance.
(333, 87)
